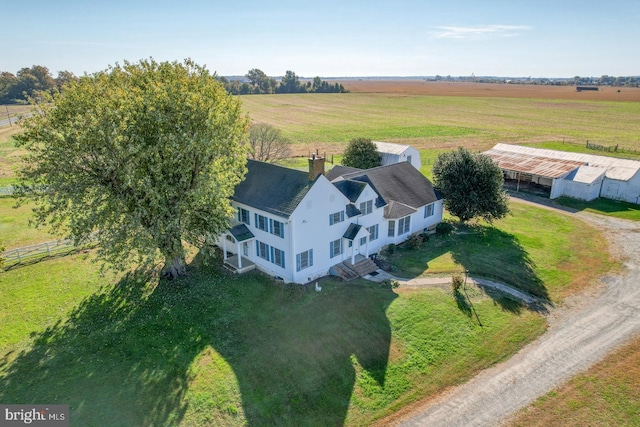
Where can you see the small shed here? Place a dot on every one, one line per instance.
(397, 153)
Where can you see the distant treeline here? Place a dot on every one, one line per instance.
(28, 82)
(257, 82)
(604, 80)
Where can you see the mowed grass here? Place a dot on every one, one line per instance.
(544, 253)
(217, 349)
(606, 207)
(331, 120)
(10, 156)
(15, 230)
(605, 395)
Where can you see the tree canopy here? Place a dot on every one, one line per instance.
(141, 157)
(29, 82)
(259, 83)
(361, 153)
(267, 143)
(471, 185)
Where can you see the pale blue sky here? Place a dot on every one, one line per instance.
(540, 38)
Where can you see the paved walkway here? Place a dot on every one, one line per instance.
(438, 281)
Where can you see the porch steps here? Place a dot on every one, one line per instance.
(344, 272)
(364, 267)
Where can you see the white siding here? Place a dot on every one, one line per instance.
(311, 230)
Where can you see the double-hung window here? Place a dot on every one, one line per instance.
(277, 256)
(243, 216)
(428, 210)
(392, 228)
(262, 249)
(277, 228)
(336, 217)
(335, 248)
(404, 225)
(366, 207)
(262, 222)
(304, 260)
(373, 232)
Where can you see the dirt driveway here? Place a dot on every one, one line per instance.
(581, 333)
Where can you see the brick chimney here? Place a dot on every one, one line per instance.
(316, 166)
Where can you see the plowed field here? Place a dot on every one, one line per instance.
(423, 87)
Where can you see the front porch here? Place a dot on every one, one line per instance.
(238, 264)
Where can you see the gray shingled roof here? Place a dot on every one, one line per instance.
(395, 210)
(272, 188)
(399, 182)
(339, 170)
(352, 231)
(351, 189)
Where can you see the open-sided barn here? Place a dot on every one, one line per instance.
(561, 173)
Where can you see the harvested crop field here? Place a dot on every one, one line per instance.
(423, 87)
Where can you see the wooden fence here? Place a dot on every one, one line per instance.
(6, 191)
(34, 252)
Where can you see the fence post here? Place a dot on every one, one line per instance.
(48, 249)
(18, 254)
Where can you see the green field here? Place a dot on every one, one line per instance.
(331, 120)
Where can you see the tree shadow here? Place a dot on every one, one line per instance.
(125, 355)
(488, 252)
(463, 304)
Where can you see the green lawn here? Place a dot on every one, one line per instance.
(607, 207)
(10, 156)
(534, 249)
(14, 225)
(234, 350)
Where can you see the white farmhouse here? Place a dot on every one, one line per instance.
(300, 226)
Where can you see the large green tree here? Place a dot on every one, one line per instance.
(141, 157)
(471, 184)
(361, 153)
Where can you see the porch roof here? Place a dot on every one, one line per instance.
(241, 233)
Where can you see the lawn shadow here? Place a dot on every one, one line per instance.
(125, 355)
(489, 252)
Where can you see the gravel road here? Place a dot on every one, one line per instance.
(581, 332)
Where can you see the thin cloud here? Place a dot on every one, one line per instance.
(479, 31)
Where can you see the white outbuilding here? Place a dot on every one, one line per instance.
(562, 173)
(397, 153)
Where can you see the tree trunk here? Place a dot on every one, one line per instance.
(174, 267)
